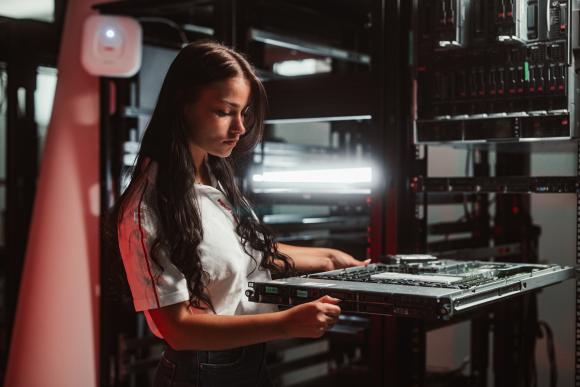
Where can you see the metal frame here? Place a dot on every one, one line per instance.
(577, 322)
(397, 346)
(516, 339)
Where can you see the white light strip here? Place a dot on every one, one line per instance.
(308, 47)
(492, 141)
(307, 192)
(28, 9)
(199, 29)
(292, 68)
(323, 176)
(317, 119)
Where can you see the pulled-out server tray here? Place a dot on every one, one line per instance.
(414, 286)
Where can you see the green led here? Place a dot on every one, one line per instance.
(271, 290)
(526, 71)
(302, 293)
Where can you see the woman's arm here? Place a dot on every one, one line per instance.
(184, 329)
(317, 259)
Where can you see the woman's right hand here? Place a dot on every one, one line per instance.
(311, 319)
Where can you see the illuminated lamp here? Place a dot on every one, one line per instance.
(111, 46)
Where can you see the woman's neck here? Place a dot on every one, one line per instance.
(199, 157)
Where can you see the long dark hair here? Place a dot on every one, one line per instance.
(165, 144)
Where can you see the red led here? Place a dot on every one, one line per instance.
(564, 122)
(515, 210)
(532, 89)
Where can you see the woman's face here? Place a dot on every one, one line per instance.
(215, 121)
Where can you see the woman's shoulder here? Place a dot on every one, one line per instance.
(140, 190)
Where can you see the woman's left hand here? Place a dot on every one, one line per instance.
(340, 260)
(319, 259)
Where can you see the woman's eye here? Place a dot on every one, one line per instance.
(222, 113)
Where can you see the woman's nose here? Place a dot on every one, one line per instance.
(238, 125)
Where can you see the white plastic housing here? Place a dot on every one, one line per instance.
(111, 46)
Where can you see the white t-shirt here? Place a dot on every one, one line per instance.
(222, 257)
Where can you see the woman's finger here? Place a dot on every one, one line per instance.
(332, 309)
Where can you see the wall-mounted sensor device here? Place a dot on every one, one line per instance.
(111, 46)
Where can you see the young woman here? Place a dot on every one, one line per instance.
(189, 240)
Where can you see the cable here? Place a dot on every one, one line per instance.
(550, 349)
(467, 215)
(170, 23)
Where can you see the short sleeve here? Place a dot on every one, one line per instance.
(151, 286)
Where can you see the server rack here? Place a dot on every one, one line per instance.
(337, 103)
(399, 203)
(128, 351)
(491, 76)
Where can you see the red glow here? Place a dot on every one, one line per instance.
(55, 342)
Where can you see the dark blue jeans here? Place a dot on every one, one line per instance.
(244, 366)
